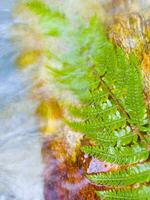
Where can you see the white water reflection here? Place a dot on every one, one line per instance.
(20, 143)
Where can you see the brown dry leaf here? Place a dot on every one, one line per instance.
(50, 115)
(28, 58)
(146, 73)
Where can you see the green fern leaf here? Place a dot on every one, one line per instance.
(129, 176)
(118, 155)
(51, 21)
(134, 104)
(130, 194)
(108, 85)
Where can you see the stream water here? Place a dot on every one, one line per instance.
(20, 143)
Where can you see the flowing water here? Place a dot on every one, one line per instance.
(20, 142)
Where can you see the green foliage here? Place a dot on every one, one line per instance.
(130, 194)
(118, 155)
(134, 101)
(51, 21)
(129, 176)
(112, 113)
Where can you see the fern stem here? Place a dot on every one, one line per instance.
(120, 107)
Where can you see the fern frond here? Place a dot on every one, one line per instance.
(96, 97)
(129, 176)
(108, 84)
(51, 21)
(130, 194)
(134, 100)
(97, 125)
(118, 155)
(42, 9)
(106, 136)
(93, 111)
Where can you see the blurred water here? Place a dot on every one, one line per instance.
(20, 142)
